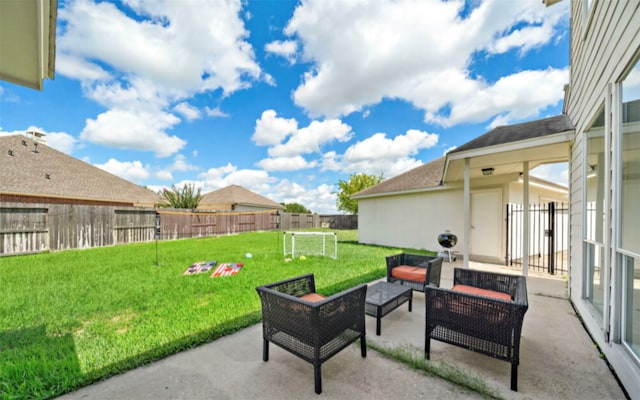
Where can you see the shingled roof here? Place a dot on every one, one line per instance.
(423, 177)
(229, 197)
(517, 132)
(33, 169)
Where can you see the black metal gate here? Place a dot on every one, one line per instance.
(548, 237)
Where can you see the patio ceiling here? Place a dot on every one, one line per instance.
(27, 41)
(505, 149)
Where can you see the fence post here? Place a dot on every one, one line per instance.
(157, 231)
(508, 232)
(552, 241)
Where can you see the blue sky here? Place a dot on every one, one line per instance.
(286, 98)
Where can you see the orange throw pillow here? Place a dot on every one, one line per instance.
(408, 273)
(481, 292)
(312, 297)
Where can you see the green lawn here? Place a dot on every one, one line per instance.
(70, 318)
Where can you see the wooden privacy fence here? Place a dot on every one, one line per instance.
(32, 228)
(178, 224)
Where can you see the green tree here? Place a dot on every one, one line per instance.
(181, 197)
(356, 183)
(296, 208)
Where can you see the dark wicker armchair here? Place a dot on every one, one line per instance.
(472, 316)
(312, 330)
(414, 270)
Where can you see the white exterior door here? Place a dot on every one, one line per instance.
(486, 223)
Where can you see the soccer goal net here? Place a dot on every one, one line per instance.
(298, 244)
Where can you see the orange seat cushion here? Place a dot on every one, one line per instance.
(313, 297)
(481, 292)
(409, 273)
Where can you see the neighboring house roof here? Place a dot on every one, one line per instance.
(235, 195)
(518, 132)
(425, 176)
(31, 168)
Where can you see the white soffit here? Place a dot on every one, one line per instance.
(508, 158)
(27, 41)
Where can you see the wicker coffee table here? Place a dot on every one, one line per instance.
(384, 297)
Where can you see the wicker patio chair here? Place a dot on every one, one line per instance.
(474, 316)
(312, 330)
(414, 270)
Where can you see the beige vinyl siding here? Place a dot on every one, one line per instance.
(609, 38)
(600, 54)
(576, 219)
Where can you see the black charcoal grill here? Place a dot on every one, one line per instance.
(447, 240)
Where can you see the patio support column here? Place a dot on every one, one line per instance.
(467, 215)
(525, 218)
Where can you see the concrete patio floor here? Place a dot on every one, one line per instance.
(558, 360)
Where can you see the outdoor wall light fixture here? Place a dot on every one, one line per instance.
(487, 171)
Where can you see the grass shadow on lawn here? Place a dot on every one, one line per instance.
(37, 364)
(183, 343)
(41, 365)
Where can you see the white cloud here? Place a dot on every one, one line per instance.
(157, 56)
(215, 112)
(61, 141)
(164, 174)
(288, 142)
(400, 146)
(631, 84)
(541, 29)
(311, 138)
(155, 188)
(376, 154)
(180, 164)
(388, 168)
(139, 94)
(79, 68)
(448, 149)
(320, 199)
(556, 173)
(128, 129)
(286, 163)
(331, 161)
(271, 129)
(366, 156)
(8, 96)
(195, 184)
(216, 174)
(181, 46)
(188, 111)
(132, 171)
(283, 48)
(418, 51)
(216, 178)
(517, 96)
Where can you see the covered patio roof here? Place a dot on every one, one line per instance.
(513, 149)
(505, 148)
(27, 41)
